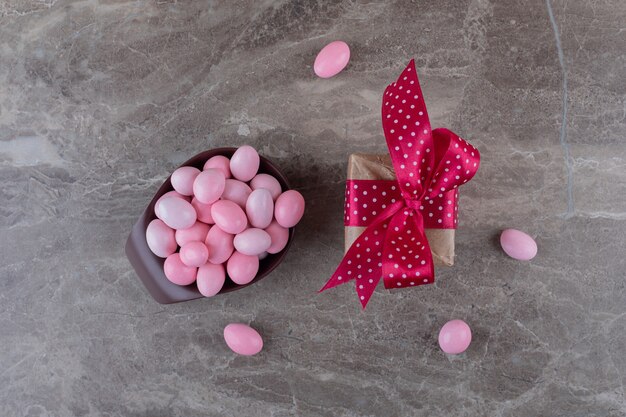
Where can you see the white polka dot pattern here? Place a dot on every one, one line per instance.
(366, 199)
(429, 166)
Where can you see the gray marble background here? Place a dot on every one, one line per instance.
(100, 100)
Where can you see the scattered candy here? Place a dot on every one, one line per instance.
(160, 239)
(211, 278)
(260, 208)
(177, 213)
(455, 337)
(289, 208)
(243, 339)
(218, 223)
(252, 241)
(332, 59)
(194, 254)
(244, 163)
(518, 245)
(182, 179)
(269, 183)
(242, 268)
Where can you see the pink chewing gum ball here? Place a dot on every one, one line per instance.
(195, 233)
(219, 162)
(229, 217)
(260, 208)
(252, 241)
(267, 182)
(332, 59)
(194, 254)
(167, 195)
(182, 179)
(289, 208)
(160, 239)
(244, 164)
(209, 186)
(243, 339)
(177, 213)
(210, 279)
(455, 337)
(177, 272)
(220, 245)
(518, 245)
(242, 268)
(279, 236)
(236, 191)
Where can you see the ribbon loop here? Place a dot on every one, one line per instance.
(430, 165)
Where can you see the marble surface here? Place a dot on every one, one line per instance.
(100, 100)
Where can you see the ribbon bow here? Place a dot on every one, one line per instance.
(429, 166)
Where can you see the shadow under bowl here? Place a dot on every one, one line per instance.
(149, 267)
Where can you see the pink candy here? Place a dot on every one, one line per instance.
(289, 208)
(220, 245)
(160, 239)
(252, 241)
(197, 232)
(518, 245)
(332, 59)
(260, 208)
(229, 217)
(242, 268)
(236, 191)
(455, 337)
(244, 163)
(177, 213)
(210, 279)
(194, 254)
(177, 272)
(203, 211)
(219, 162)
(243, 339)
(219, 223)
(267, 182)
(182, 179)
(279, 236)
(168, 194)
(209, 186)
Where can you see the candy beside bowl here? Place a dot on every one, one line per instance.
(168, 277)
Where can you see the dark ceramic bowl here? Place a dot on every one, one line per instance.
(149, 267)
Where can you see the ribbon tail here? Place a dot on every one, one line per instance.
(409, 260)
(363, 261)
(365, 291)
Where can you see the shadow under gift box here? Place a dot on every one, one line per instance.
(149, 267)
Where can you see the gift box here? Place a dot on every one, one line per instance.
(401, 208)
(380, 168)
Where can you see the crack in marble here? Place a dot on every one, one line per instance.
(563, 131)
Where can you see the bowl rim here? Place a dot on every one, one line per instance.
(149, 267)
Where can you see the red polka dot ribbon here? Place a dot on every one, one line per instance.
(430, 165)
(365, 199)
